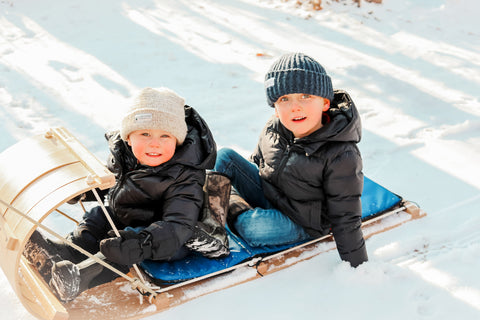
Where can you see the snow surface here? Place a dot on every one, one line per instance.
(412, 68)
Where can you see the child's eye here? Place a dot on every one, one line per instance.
(305, 96)
(165, 136)
(283, 99)
(145, 134)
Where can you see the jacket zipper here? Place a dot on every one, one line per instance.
(283, 163)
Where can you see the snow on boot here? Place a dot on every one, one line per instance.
(65, 280)
(69, 280)
(209, 235)
(204, 241)
(43, 253)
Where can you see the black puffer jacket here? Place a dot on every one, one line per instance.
(317, 180)
(166, 199)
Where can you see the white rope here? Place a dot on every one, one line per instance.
(80, 249)
(67, 216)
(112, 224)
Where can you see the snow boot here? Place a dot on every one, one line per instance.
(236, 207)
(209, 235)
(43, 252)
(68, 279)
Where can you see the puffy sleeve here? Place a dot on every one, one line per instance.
(343, 190)
(182, 204)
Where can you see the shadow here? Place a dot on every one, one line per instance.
(418, 104)
(32, 110)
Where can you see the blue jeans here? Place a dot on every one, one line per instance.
(263, 225)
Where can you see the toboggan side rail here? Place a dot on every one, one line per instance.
(54, 168)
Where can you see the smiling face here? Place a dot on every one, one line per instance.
(152, 147)
(301, 113)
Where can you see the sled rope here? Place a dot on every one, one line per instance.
(67, 216)
(135, 283)
(112, 224)
(257, 264)
(81, 205)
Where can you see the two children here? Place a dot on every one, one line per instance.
(303, 181)
(305, 177)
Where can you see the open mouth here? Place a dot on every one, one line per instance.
(154, 154)
(298, 119)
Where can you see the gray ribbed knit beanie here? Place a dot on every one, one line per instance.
(297, 73)
(156, 109)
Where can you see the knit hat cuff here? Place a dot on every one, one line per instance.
(280, 83)
(147, 119)
(156, 109)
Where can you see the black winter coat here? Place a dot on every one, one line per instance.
(317, 180)
(166, 199)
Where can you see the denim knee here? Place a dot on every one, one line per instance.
(268, 227)
(223, 159)
(258, 229)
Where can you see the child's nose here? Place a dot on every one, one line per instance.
(296, 105)
(155, 142)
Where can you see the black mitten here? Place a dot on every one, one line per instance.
(128, 249)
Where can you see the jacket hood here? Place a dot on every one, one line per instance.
(345, 124)
(198, 151)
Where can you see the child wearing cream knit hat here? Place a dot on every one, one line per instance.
(156, 109)
(162, 200)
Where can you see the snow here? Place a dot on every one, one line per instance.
(412, 68)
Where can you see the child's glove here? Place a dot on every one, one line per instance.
(128, 249)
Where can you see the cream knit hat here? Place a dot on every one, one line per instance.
(156, 109)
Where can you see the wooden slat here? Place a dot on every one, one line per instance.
(16, 183)
(57, 168)
(43, 302)
(44, 207)
(15, 176)
(9, 256)
(99, 172)
(48, 183)
(40, 190)
(7, 238)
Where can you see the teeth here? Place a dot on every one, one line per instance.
(298, 118)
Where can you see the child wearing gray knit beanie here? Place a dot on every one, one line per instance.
(156, 109)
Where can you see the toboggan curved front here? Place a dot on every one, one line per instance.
(37, 175)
